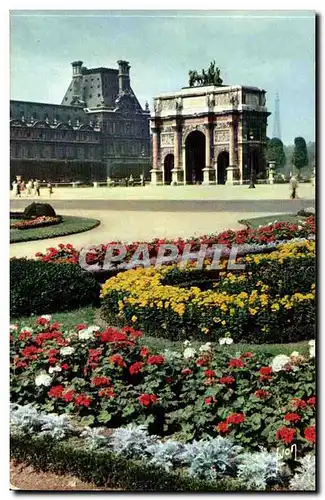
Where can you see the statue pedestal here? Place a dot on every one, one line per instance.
(230, 175)
(207, 176)
(271, 177)
(156, 177)
(177, 176)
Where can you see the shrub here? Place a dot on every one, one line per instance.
(39, 210)
(272, 300)
(41, 287)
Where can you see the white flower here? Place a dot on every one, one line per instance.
(187, 343)
(205, 347)
(93, 328)
(43, 379)
(56, 368)
(294, 354)
(279, 362)
(189, 353)
(26, 329)
(225, 340)
(311, 348)
(47, 317)
(66, 351)
(13, 327)
(85, 334)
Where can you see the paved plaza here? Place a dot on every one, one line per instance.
(140, 214)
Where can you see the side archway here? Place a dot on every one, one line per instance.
(168, 167)
(222, 164)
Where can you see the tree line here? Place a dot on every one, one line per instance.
(297, 158)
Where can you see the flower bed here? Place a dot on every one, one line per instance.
(105, 377)
(36, 222)
(273, 300)
(248, 240)
(127, 458)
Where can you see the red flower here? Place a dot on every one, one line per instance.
(227, 380)
(262, 394)
(147, 399)
(56, 391)
(285, 434)
(187, 371)
(97, 381)
(81, 326)
(64, 366)
(24, 336)
(209, 400)
(299, 403)
(169, 380)
(83, 400)
(42, 321)
(55, 326)
(111, 335)
(144, 351)
(247, 355)
(292, 417)
(236, 363)
(210, 373)
(201, 361)
(52, 352)
(235, 418)
(265, 373)
(312, 401)
(108, 392)
(68, 396)
(135, 368)
(156, 360)
(117, 359)
(222, 427)
(310, 434)
(20, 364)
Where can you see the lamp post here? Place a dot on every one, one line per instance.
(251, 181)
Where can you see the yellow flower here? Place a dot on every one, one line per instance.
(133, 319)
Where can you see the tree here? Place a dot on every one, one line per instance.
(300, 156)
(275, 152)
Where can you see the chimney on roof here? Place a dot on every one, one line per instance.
(77, 94)
(76, 68)
(123, 76)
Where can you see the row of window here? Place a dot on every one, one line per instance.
(135, 148)
(54, 151)
(52, 135)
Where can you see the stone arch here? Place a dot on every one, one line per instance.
(222, 164)
(195, 156)
(191, 128)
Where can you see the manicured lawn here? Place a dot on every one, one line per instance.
(255, 222)
(69, 225)
(90, 316)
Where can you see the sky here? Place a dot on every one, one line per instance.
(272, 50)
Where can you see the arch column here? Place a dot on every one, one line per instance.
(156, 172)
(177, 172)
(232, 161)
(207, 171)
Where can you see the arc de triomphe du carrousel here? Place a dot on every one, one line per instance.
(209, 133)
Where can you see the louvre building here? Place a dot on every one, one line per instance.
(99, 130)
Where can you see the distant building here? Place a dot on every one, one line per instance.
(209, 134)
(99, 130)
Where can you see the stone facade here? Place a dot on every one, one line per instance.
(209, 135)
(100, 130)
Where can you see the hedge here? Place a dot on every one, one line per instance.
(105, 468)
(273, 300)
(41, 287)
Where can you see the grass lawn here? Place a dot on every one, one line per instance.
(263, 221)
(69, 225)
(90, 315)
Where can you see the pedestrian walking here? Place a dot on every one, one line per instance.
(37, 187)
(50, 188)
(18, 190)
(294, 187)
(14, 188)
(29, 188)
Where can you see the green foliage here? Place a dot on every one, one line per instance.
(39, 210)
(107, 469)
(300, 156)
(68, 225)
(275, 152)
(41, 287)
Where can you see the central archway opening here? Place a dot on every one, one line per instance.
(195, 157)
(168, 167)
(223, 163)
